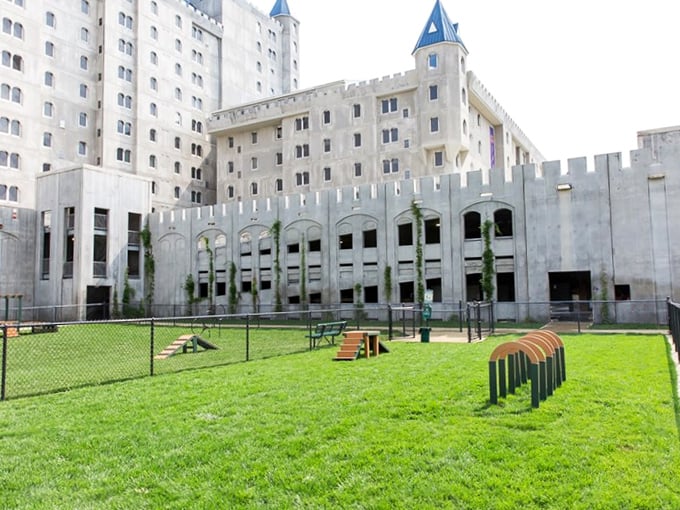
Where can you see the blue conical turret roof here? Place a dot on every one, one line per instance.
(438, 29)
(280, 9)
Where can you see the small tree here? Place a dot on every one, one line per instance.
(488, 260)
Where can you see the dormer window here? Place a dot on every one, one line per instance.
(432, 61)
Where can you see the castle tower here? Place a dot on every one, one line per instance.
(290, 58)
(440, 64)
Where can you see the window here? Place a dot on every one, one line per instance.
(178, 142)
(124, 155)
(432, 61)
(153, 83)
(82, 149)
(370, 238)
(153, 33)
(253, 137)
(50, 19)
(124, 101)
(434, 124)
(82, 119)
(327, 174)
(84, 34)
(503, 222)
(327, 145)
(47, 139)
(49, 49)
(178, 69)
(390, 166)
(178, 21)
(83, 90)
(301, 123)
(83, 62)
(357, 169)
(390, 135)
(253, 163)
(153, 110)
(405, 234)
(178, 118)
(153, 58)
(473, 225)
(197, 126)
(178, 167)
(196, 173)
(356, 110)
(253, 188)
(154, 7)
(152, 135)
(10, 160)
(48, 109)
(278, 185)
(279, 158)
(49, 79)
(345, 241)
(438, 158)
(152, 161)
(434, 92)
(230, 167)
(326, 117)
(18, 31)
(197, 33)
(302, 178)
(178, 45)
(124, 128)
(389, 105)
(124, 73)
(46, 167)
(230, 192)
(357, 139)
(178, 93)
(84, 6)
(302, 151)
(432, 231)
(278, 132)
(505, 285)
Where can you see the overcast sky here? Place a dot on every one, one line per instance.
(579, 77)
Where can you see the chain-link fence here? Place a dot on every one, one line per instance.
(674, 324)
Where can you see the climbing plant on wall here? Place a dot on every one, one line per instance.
(233, 291)
(211, 274)
(303, 273)
(387, 283)
(420, 284)
(276, 234)
(149, 267)
(488, 259)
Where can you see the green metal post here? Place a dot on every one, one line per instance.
(564, 364)
(542, 380)
(501, 378)
(511, 373)
(493, 384)
(535, 397)
(550, 377)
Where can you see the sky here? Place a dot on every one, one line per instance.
(579, 78)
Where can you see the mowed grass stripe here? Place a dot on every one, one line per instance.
(409, 429)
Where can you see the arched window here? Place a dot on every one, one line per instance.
(473, 225)
(503, 220)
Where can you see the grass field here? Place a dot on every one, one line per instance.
(409, 429)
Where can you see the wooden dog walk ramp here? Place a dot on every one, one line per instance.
(183, 342)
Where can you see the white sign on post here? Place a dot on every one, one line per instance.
(429, 296)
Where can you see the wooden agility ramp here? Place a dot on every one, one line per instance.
(185, 342)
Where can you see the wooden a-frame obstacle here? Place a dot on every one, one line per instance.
(185, 342)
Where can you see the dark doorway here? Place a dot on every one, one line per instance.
(98, 299)
(569, 286)
(473, 287)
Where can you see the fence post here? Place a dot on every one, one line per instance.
(151, 347)
(247, 337)
(390, 324)
(3, 375)
(460, 315)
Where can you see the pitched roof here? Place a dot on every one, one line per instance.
(280, 9)
(438, 29)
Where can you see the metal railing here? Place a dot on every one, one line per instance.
(674, 324)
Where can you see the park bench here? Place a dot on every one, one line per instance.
(326, 331)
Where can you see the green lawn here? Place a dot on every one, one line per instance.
(409, 429)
